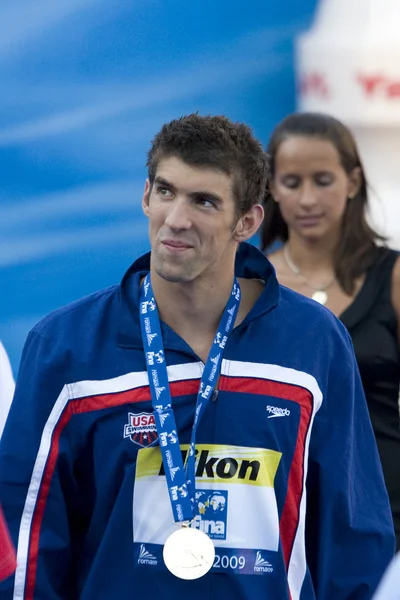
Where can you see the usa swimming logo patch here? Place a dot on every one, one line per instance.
(141, 429)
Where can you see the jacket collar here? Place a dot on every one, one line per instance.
(250, 264)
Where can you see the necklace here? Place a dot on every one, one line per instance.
(320, 295)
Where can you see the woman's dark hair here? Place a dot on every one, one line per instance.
(357, 247)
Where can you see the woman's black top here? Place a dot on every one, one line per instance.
(372, 323)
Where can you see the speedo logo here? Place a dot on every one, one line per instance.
(222, 468)
(275, 411)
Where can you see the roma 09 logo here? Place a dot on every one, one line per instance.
(141, 429)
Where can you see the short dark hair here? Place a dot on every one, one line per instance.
(357, 247)
(215, 142)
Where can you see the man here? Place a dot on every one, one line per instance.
(389, 586)
(7, 551)
(187, 434)
(6, 387)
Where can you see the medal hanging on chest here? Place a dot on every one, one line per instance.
(188, 552)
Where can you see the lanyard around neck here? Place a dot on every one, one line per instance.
(181, 482)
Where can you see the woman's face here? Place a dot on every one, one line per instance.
(311, 186)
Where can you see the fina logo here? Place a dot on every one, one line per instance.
(261, 565)
(147, 305)
(213, 511)
(177, 492)
(155, 356)
(145, 557)
(219, 340)
(168, 438)
(236, 291)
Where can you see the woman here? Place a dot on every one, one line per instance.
(316, 208)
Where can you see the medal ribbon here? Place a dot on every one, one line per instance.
(181, 483)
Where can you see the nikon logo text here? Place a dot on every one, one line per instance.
(218, 464)
(212, 467)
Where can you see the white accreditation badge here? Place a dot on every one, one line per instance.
(188, 553)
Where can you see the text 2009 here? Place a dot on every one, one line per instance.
(229, 562)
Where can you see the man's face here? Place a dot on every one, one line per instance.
(192, 221)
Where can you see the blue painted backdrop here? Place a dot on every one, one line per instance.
(85, 84)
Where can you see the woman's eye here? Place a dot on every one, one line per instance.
(291, 182)
(324, 180)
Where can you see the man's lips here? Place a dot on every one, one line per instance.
(176, 245)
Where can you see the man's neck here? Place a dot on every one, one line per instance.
(194, 310)
(195, 306)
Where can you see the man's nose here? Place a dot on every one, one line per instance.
(179, 215)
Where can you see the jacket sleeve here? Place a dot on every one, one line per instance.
(36, 475)
(7, 552)
(6, 388)
(349, 528)
(389, 586)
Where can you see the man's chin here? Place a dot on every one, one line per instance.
(174, 276)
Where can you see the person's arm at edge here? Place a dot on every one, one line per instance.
(349, 531)
(7, 387)
(27, 498)
(7, 551)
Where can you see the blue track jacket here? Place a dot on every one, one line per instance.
(288, 481)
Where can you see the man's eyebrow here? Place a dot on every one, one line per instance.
(194, 195)
(208, 195)
(161, 181)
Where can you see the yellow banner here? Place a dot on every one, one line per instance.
(219, 464)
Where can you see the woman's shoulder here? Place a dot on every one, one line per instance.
(396, 281)
(385, 254)
(382, 263)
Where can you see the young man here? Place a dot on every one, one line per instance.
(6, 387)
(389, 586)
(187, 434)
(7, 551)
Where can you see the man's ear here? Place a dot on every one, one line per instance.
(146, 197)
(248, 224)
